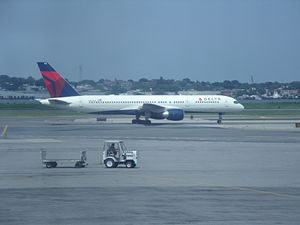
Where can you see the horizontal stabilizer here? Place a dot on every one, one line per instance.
(58, 102)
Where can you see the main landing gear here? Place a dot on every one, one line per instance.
(219, 121)
(138, 121)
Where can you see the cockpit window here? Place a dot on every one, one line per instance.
(236, 102)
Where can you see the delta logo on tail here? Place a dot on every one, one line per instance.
(56, 85)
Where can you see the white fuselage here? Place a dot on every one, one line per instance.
(126, 103)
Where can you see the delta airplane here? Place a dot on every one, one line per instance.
(170, 107)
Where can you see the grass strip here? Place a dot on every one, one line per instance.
(272, 105)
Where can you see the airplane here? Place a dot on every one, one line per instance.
(170, 107)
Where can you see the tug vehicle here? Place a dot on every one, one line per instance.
(115, 153)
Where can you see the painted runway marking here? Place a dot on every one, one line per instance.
(32, 140)
(4, 130)
(216, 185)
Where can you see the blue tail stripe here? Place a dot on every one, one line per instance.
(45, 67)
(68, 91)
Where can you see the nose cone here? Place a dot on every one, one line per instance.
(241, 107)
(236, 106)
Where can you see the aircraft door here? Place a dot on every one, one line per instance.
(80, 105)
(187, 103)
(226, 103)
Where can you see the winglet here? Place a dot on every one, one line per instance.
(57, 86)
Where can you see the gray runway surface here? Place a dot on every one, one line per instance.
(195, 172)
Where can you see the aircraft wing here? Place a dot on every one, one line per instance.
(147, 107)
(153, 108)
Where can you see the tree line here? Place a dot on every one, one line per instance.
(156, 86)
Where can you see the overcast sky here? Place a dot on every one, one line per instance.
(205, 40)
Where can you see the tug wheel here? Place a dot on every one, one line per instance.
(109, 163)
(130, 164)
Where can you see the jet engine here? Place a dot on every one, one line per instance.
(170, 114)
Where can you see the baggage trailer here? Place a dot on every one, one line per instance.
(52, 162)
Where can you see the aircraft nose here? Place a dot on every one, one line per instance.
(242, 107)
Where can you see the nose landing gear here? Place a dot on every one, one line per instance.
(219, 121)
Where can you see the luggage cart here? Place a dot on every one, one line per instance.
(52, 162)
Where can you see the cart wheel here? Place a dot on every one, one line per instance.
(51, 164)
(79, 164)
(110, 163)
(130, 164)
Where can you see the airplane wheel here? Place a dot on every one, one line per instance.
(145, 122)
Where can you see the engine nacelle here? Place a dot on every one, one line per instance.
(170, 114)
(175, 114)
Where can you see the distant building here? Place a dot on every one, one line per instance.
(193, 92)
(290, 93)
(85, 87)
(231, 92)
(21, 97)
(281, 93)
(33, 88)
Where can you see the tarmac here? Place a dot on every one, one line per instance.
(243, 171)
